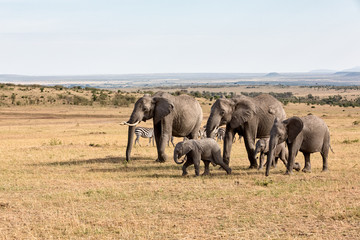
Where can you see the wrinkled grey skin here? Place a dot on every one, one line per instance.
(178, 116)
(195, 150)
(307, 134)
(280, 151)
(249, 117)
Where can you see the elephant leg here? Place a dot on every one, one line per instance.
(307, 167)
(274, 164)
(161, 136)
(188, 162)
(228, 141)
(207, 169)
(324, 155)
(261, 161)
(216, 156)
(284, 161)
(250, 148)
(157, 134)
(196, 160)
(290, 164)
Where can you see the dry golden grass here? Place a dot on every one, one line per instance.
(63, 176)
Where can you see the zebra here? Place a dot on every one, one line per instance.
(172, 141)
(220, 134)
(145, 133)
(202, 133)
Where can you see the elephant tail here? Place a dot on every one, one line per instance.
(331, 149)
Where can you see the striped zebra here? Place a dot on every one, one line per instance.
(220, 134)
(145, 133)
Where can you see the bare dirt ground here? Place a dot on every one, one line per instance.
(63, 176)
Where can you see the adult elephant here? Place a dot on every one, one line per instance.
(178, 116)
(249, 117)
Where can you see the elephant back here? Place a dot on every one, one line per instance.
(268, 108)
(187, 115)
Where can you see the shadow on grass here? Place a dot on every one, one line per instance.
(148, 164)
(93, 161)
(129, 168)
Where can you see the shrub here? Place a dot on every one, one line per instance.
(55, 141)
(78, 100)
(121, 100)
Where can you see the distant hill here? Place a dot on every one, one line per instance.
(353, 74)
(273, 74)
(354, 69)
(348, 74)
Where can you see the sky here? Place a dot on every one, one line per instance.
(74, 37)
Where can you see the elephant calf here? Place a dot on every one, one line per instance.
(307, 134)
(195, 150)
(280, 151)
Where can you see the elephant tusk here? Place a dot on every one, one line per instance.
(130, 124)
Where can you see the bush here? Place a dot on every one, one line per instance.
(121, 100)
(55, 141)
(78, 100)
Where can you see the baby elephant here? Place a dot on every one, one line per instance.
(307, 134)
(205, 149)
(280, 151)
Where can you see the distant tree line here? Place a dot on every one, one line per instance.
(335, 100)
(63, 95)
(87, 96)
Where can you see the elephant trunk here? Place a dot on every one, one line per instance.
(272, 144)
(176, 157)
(131, 123)
(131, 133)
(212, 123)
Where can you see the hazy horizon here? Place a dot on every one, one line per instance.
(78, 37)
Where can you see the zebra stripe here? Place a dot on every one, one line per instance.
(144, 133)
(220, 133)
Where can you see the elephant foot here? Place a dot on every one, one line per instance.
(160, 160)
(253, 166)
(229, 171)
(260, 167)
(297, 166)
(288, 173)
(184, 174)
(325, 169)
(205, 174)
(306, 170)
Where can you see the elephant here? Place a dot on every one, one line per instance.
(280, 151)
(205, 149)
(178, 116)
(249, 117)
(307, 134)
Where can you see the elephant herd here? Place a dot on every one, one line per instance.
(261, 117)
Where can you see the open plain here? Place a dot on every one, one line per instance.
(63, 176)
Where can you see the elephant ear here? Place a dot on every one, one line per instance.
(188, 146)
(245, 110)
(163, 107)
(294, 126)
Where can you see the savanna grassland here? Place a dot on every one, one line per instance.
(63, 176)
